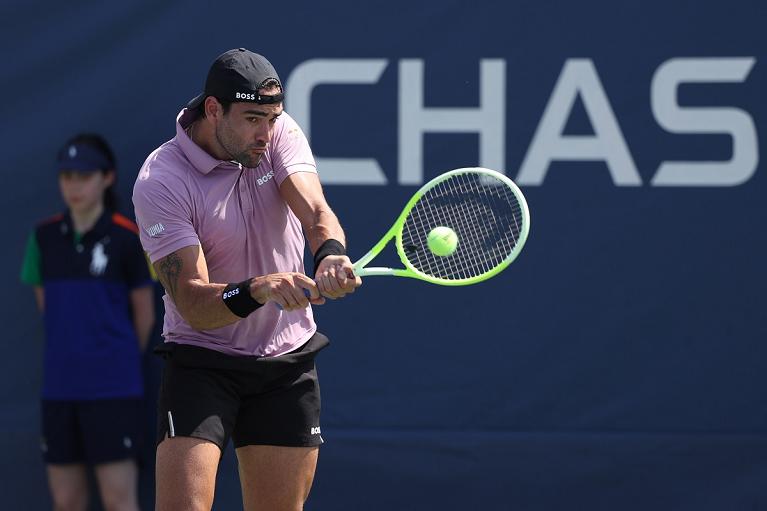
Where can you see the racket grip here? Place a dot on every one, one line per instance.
(306, 292)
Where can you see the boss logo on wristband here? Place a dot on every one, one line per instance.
(229, 294)
(238, 300)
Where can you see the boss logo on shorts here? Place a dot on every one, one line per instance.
(315, 430)
(231, 293)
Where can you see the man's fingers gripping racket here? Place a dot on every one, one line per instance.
(296, 293)
(336, 280)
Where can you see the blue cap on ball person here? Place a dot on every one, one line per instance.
(82, 157)
(236, 76)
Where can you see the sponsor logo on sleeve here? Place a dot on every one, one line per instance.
(155, 230)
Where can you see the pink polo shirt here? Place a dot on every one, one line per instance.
(184, 197)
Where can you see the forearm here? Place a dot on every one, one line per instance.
(201, 305)
(324, 226)
(184, 276)
(206, 310)
(303, 193)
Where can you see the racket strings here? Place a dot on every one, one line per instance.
(484, 212)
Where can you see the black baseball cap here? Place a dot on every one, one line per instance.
(237, 75)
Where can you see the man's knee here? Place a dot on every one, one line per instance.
(168, 503)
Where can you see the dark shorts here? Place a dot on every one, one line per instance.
(254, 401)
(92, 432)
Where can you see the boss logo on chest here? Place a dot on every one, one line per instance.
(265, 178)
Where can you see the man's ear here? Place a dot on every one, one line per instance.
(212, 107)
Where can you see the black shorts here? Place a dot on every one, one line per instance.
(92, 432)
(254, 401)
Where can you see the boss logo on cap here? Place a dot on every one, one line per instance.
(261, 100)
(246, 95)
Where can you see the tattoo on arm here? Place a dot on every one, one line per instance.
(168, 271)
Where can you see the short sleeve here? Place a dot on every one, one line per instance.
(164, 216)
(30, 269)
(290, 150)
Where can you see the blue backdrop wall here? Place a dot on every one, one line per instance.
(618, 364)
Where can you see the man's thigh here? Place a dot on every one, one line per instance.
(185, 476)
(197, 407)
(276, 478)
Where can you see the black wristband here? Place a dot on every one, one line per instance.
(330, 247)
(237, 298)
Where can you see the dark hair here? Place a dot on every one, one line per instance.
(271, 83)
(99, 143)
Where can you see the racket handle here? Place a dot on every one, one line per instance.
(306, 292)
(372, 272)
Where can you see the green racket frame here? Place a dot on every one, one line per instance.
(396, 232)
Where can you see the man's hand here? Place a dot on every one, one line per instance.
(335, 277)
(291, 291)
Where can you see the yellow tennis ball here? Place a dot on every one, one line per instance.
(442, 241)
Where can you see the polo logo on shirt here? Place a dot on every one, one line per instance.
(99, 259)
(155, 230)
(265, 178)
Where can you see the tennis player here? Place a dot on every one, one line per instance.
(221, 209)
(95, 293)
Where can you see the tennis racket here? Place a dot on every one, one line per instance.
(487, 213)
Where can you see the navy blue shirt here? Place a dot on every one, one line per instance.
(91, 349)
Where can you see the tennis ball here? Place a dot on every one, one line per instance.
(442, 241)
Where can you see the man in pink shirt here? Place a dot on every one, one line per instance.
(222, 209)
